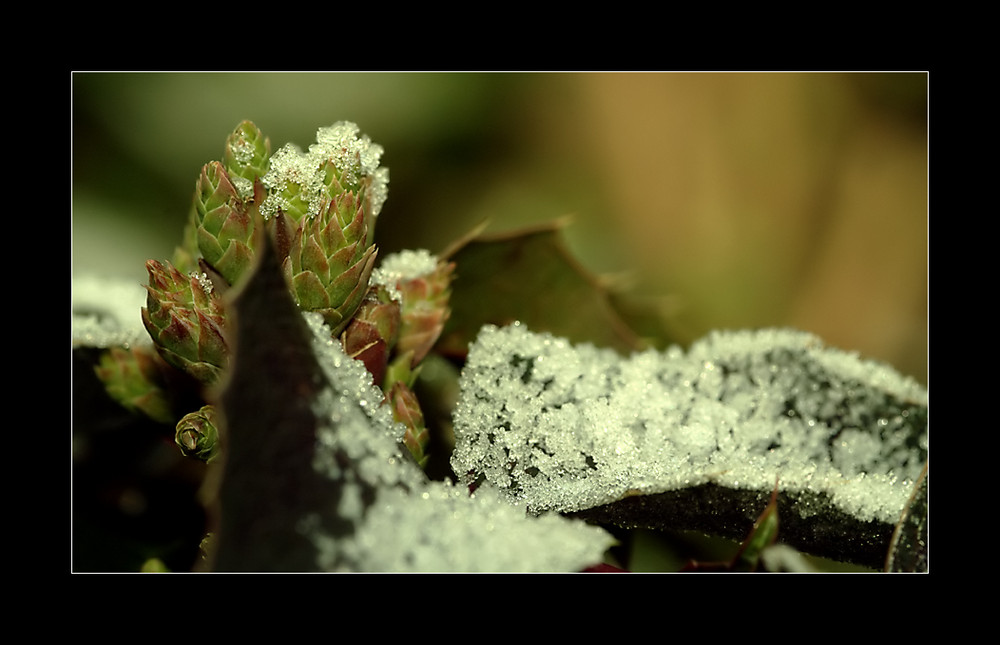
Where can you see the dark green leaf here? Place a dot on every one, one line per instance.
(529, 276)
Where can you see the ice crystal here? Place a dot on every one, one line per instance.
(243, 150)
(403, 265)
(206, 283)
(407, 264)
(566, 428)
(243, 186)
(354, 156)
(400, 520)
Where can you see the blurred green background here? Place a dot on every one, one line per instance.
(731, 199)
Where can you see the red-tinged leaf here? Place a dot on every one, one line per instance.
(362, 342)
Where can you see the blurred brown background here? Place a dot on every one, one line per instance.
(733, 199)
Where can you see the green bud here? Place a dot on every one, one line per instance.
(186, 321)
(329, 264)
(224, 222)
(342, 161)
(247, 157)
(424, 310)
(134, 377)
(406, 410)
(197, 434)
(320, 208)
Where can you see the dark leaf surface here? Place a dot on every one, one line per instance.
(908, 552)
(731, 513)
(268, 483)
(529, 276)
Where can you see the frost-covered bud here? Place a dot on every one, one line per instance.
(329, 264)
(341, 162)
(406, 410)
(372, 332)
(321, 207)
(186, 321)
(134, 378)
(197, 434)
(246, 157)
(425, 309)
(224, 223)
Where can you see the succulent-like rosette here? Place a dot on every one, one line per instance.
(135, 378)
(329, 264)
(197, 434)
(372, 332)
(321, 207)
(186, 321)
(224, 222)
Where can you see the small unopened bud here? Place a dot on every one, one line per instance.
(197, 434)
(406, 410)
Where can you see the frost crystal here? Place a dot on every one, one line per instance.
(354, 156)
(206, 284)
(404, 265)
(243, 186)
(243, 150)
(564, 428)
(399, 520)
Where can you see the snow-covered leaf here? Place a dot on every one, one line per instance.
(696, 439)
(316, 478)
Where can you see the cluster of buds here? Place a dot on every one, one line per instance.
(322, 206)
(319, 207)
(399, 322)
